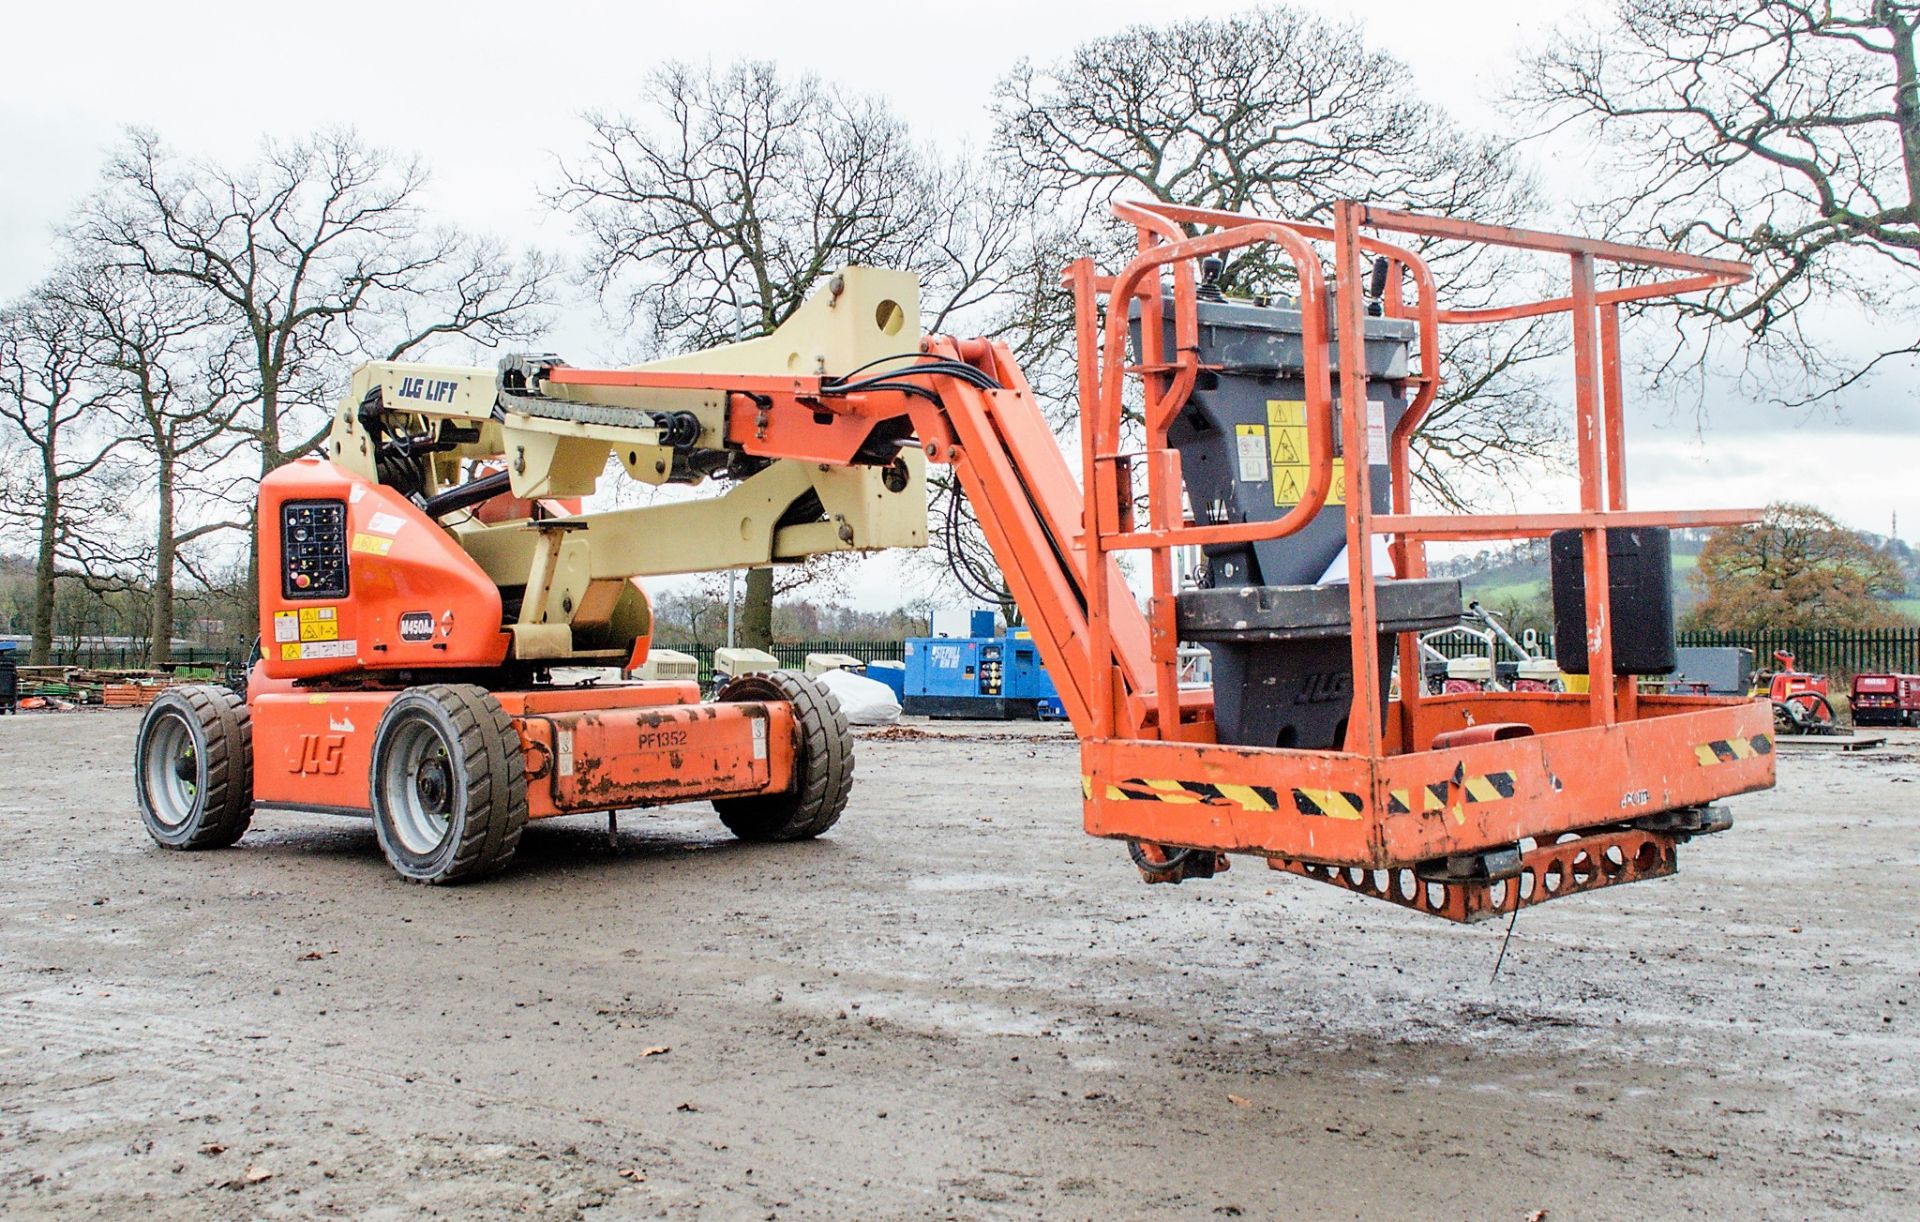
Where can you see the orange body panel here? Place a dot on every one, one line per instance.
(312, 750)
(611, 759)
(414, 599)
(587, 749)
(1397, 810)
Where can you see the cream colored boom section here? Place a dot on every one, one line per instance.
(575, 572)
(864, 314)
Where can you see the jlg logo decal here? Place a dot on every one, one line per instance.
(320, 754)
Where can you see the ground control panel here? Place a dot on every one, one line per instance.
(313, 549)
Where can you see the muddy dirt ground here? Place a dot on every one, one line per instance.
(954, 1005)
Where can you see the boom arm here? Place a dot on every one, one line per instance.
(1466, 805)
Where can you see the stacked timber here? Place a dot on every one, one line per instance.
(71, 685)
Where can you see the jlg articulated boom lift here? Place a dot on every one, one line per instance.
(422, 577)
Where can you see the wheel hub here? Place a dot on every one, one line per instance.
(433, 783)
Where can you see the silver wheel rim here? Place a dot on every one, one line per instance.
(419, 787)
(172, 771)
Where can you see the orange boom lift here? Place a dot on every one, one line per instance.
(426, 583)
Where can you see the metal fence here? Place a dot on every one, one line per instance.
(1839, 653)
(114, 656)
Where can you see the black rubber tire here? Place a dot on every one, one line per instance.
(216, 724)
(822, 762)
(1818, 710)
(487, 773)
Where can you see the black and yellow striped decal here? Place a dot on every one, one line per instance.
(1333, 803)
(1483, 787)
(1728, 750)
(1327, 803)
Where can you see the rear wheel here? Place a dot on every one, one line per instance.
(822, 763)
(449, 784)
(193, 768)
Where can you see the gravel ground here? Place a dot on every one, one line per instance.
(954, 1005)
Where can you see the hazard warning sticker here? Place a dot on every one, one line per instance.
(306, 624)
(1288, 455)
(311, 651)
(1252, 442)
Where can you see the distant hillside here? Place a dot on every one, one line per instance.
(1516, 576)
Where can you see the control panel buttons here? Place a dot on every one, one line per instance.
(313, 549)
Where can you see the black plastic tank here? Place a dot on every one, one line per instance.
(1242, 436)
(1280, 644)
(9, 682)
(1640, 581)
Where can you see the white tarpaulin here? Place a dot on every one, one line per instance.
(866, 702)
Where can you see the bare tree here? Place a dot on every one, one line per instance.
(1783, 132)
(318, 255)
(57, 417)
(1282, 113)
(183, 386)
(715, 213)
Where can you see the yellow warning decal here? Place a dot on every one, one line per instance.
(1432, 798)
(373, 545)
(319, 624)
(1728, 750)
(305, 624)
(1333, 803)
(1326, 803)
(1484, 787)
(1290, 457)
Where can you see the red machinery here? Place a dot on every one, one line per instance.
(416, 688)
(1886, 700)
(1801, 701)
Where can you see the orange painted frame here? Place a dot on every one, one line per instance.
(1625, 755)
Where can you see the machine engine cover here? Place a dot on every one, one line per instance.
(354, 577)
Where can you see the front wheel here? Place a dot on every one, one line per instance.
(822, 762)
(449, 784)
(193, 768)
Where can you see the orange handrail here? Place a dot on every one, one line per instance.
(1318, 375)
(1597, 378)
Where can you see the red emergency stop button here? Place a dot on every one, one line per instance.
(302, 581)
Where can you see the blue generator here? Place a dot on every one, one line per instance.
(981, 676)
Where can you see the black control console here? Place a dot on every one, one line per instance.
(313, 549)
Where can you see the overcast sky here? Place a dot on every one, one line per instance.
(490, 94)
